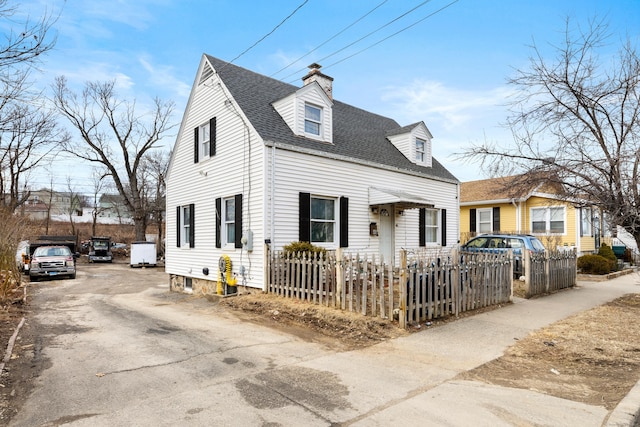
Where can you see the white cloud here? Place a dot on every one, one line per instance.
(164, 78)
(457, 117)
(451, 108)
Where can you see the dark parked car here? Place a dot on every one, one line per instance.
(498, 243)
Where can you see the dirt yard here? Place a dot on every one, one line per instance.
(593, 357)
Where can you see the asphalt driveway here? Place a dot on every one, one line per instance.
(120, 349)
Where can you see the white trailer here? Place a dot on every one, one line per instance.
(143, 254)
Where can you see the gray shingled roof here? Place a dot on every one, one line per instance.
(357, 133)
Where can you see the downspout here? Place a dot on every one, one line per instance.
(518, 215)
(273, 195)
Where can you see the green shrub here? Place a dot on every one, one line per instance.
(295, 248)
(606, 252)
(594, 264)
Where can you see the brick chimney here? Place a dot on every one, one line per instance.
(325, 82)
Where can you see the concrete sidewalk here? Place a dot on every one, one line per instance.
(467, 343)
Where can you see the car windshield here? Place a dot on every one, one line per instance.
(478, 242)
(100, 244)
(537, 245)
(49, 251)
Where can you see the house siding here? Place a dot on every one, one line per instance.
(297, 172)
(237, 168)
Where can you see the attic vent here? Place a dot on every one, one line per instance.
(207, 72)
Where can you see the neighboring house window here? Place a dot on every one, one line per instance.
(323, 220)
(312, 119)
(586, 227)
(185, 230)
(548, 220)
(484, 221)
(420, 145)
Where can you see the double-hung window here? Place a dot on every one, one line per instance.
(548, 220)
(312, 119)
(323, 220)
(484, 220)
(431, 225)
(185, 223)
(420, 147)
(204, 137)
(230, 220)
(586, 227)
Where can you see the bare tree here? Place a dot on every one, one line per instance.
(112, 135)
(576, 122)
(27, 132)
(153, 172)
(27, 137)
(98, 186)
(73, 206)
(23, 45)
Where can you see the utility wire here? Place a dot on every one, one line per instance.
(329, 39)
(269, 33)
(362, 38)
(394, 34)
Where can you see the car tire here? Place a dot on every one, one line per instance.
(73, 276)
(33, 278)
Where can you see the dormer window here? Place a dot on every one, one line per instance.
(420, 145)
(312, 119)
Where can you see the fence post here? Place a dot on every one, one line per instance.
(402, 319)
(547, 271)
(339, 277)
(267, 269)
(526, 260)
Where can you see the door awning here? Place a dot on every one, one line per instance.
(403, 200)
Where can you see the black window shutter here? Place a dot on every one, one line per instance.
(304, 217)
(443, 228)
(344, 222)
(212, 137)
(192, 227)
(472, 220)
(195, 145)
(238, 221)
(422, 216)
(581, 221)
(218, 222)
(178, 226)
(496, 219)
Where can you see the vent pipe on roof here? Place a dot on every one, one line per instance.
(325, 82)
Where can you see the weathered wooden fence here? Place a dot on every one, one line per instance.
(419, 289)
(549, 271)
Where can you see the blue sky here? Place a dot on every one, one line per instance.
(449, 70)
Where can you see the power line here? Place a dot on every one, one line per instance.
(269, 33)
(362, 38)
(329, 39)
(394, 34)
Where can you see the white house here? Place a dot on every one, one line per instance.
(261, 162)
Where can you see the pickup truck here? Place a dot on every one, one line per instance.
(52, 261)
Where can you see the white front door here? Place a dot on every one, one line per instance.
(387, 233)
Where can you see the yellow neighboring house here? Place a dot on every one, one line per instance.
(505, 205)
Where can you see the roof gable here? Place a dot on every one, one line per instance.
(506, 188)
(357, 134)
